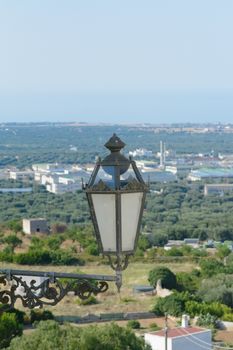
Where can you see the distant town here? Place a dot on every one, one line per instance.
(163, 166)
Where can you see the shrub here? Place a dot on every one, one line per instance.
(39, 315)
(194, 308)
(173, 304)
(133, 324)
(13, 241)
(207, 320)
(228, 317)
(54, 242)
(14, 225)
(153, 326)
(33, 257)
(6, 256)
(167, 277)
(174, 252)
(61, 257)
(20, 315)
(223, 251)
(43, 257)
(187, 281)
(89, 301)
(92, 249)
(211, 267)
(9, 328)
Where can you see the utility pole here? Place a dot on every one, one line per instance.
(166, 330)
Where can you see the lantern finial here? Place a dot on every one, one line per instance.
(114, 144)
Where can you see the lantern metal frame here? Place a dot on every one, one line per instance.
(118, 259)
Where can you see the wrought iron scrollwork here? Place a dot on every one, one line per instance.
(118, 263)
(101, 186)
(134, 185)
(49, 292)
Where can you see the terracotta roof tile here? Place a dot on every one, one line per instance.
(180, 331)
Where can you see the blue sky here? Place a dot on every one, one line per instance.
(116, 61)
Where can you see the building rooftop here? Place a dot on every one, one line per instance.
(35, 219)
(179, 332)
(212, 172)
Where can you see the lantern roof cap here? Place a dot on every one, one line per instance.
(114, 144)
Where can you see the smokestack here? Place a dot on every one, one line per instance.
(164, 153)
(161, 154)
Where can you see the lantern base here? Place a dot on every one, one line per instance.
(118, 263)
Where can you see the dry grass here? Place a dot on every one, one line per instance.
(110, 301)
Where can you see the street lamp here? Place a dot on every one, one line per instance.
(116, 195)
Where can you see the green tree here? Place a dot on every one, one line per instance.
(167, 277)
(196, 308)
(208, 320)
(173, 304)
(211, 267)
(143, 242)
(49, 335)
(217, 288)
(223, 251)
(9, 328)
(14, 225)
(13, 241)
(187, 281)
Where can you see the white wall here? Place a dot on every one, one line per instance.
(158, 343)
(26, 226)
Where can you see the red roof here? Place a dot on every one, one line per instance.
(179, 332)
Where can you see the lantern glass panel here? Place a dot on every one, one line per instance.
(105, 211)
(108, 177)
(131, 204)
(128, 176)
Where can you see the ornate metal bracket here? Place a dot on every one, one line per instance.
(51, 291)
(118, 264)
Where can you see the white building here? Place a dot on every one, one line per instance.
(60, 179)
(141, 152)
(171, 168)
(146, 164)
(192, 242)
(217, 188)
(173, 243)
(38, 225)
(61, 187)
(21, 175)
(181, 338)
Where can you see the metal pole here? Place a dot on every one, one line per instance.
(10, 272)
(118, 279)
(166, 330)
